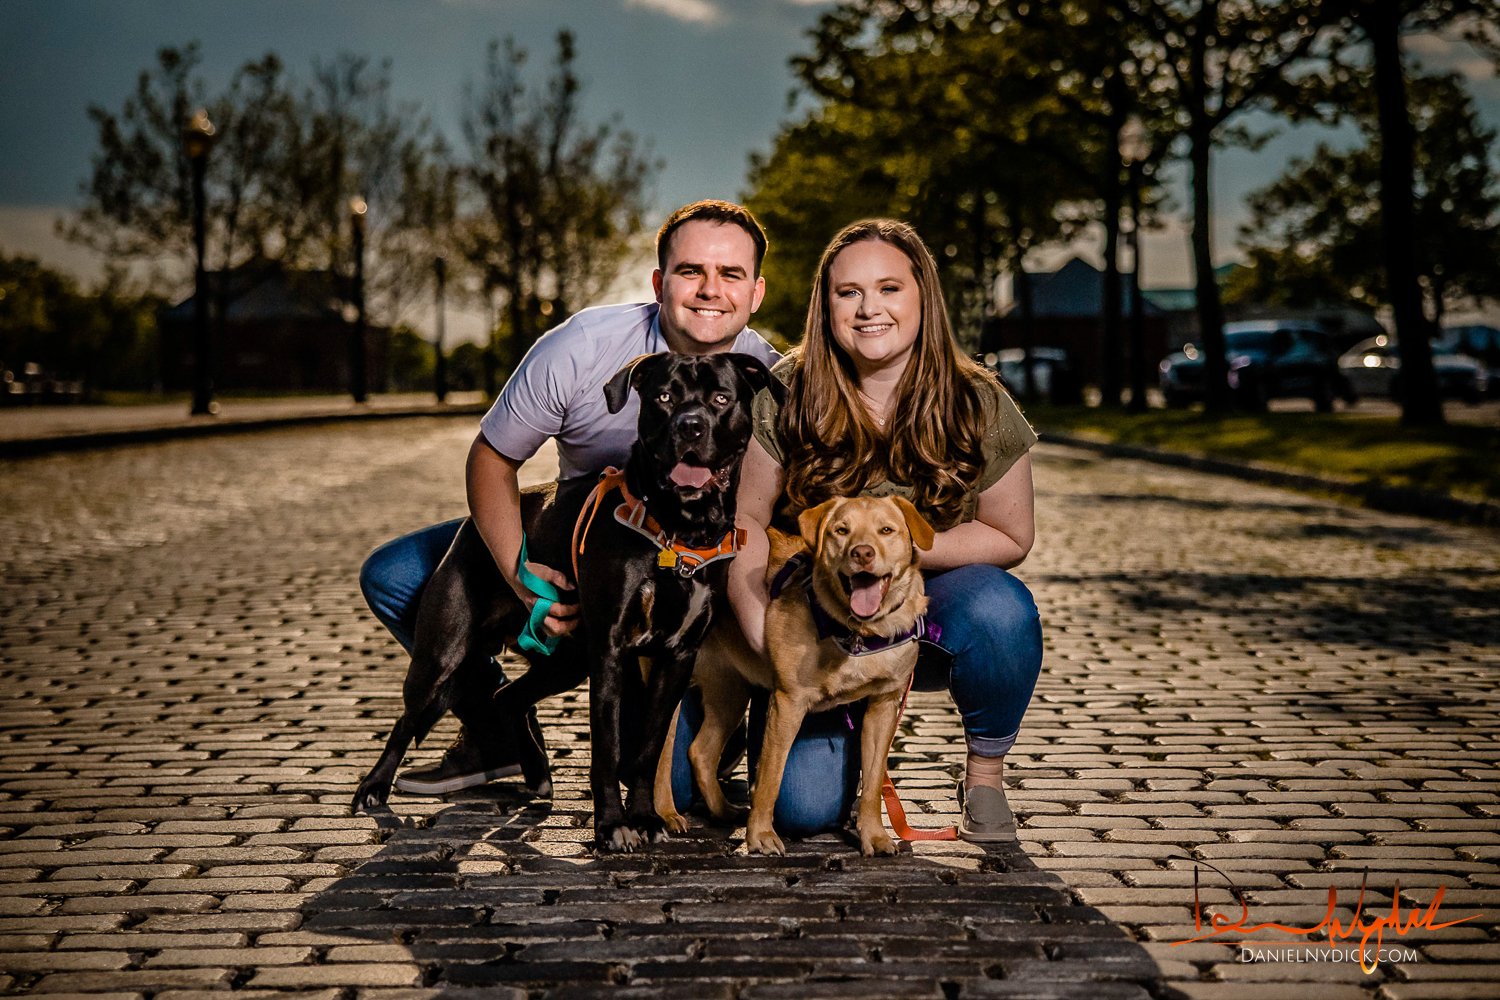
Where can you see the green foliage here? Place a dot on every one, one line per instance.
(950, 121)
(1457, 459)
(411, 361)
(105, 338)
(1314, 235)
(466, 367)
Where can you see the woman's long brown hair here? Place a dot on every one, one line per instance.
(932, 443)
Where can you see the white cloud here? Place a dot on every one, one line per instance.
(691, 11)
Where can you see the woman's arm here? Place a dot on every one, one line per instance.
(760, 484)
(1003, 528)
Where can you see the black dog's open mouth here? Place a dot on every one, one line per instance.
(866, 593)
(689, 477)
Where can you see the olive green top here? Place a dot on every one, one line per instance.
(1007, 436)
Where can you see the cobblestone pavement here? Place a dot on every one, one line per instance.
(1292, 692)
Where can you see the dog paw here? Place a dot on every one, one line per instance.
(764, 842)
(675, 822)
(877, 843)
(619, 839)
(370, 795)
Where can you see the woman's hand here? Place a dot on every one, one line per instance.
(749, 593)
(1003, 529)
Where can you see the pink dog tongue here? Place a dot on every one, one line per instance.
(691, 476)
(865, 598)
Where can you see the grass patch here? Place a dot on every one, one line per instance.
(1459, 459)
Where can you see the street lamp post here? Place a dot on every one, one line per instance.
(440, 363)
(357, 374)
(197, 140)
(1135, 150)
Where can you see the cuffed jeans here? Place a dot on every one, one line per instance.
(990, 626)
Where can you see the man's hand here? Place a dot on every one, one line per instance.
(562, 618)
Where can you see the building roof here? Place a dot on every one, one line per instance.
(1073, 290)
(269, 292)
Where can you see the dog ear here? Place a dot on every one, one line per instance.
(759, 376)
(617, 389)
(921, 531)
(810, 523)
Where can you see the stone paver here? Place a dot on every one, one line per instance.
(1298, 694)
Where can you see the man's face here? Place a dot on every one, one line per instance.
(709, 288)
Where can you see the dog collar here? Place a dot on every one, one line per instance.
(672, 554)
(851, 642)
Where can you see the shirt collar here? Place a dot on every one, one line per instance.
(656, 342)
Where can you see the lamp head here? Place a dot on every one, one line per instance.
(198, 135)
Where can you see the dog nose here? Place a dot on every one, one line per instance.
(690, 426)
(863, 554)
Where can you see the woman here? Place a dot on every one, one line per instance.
(882, 401)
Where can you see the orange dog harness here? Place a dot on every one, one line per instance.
(671, 553)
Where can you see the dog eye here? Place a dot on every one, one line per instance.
(721, 399)
(842, 529)
(887, 530)
(665, 397)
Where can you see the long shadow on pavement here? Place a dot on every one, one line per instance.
(495, 891)
(1407, 615)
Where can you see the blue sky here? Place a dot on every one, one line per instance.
(705, 80)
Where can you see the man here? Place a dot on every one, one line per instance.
(707, 283)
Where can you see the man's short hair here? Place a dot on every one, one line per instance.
(711, 210)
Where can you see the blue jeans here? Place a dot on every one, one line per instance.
(395, 574)
(990, 625)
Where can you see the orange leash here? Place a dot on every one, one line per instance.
(612, 480)
(893, 808)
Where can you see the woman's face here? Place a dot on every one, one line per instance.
(874, 305)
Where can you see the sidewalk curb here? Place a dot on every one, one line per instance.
(212, 426)
(1392, 499)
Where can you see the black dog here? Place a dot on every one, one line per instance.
(467, 613)
(653, 554)
(693, 430)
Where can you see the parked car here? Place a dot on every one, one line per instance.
(1267, 359)
(1053, 376)
(1374, 368)
(1482, 343)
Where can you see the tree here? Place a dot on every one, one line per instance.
(1315, 234)
(1381, 23)
(105, 338)
(930, 117)
(279, 177)
(997, 125)
(549, 206)
(1218, 59)
(138, 198)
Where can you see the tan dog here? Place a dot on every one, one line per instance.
(865, 581)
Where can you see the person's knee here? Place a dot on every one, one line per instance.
(820, 778)
(801, 812)
(374, 576)
(988, 605)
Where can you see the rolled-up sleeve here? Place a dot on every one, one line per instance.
(532, 405)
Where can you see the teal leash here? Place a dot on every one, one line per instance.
(532, 639)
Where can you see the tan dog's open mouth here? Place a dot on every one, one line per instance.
(866, 592)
